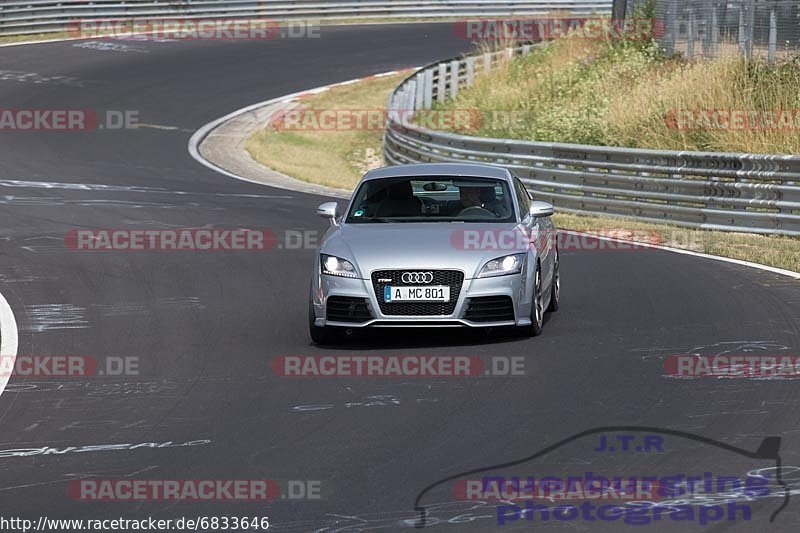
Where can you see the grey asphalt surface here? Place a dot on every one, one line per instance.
(205, 326)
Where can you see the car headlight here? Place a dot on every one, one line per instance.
(336, 266)
(502, 266)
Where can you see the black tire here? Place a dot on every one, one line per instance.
(320, 335)
(555, 287)
(537, 309)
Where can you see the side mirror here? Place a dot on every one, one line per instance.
(328, 210)
(541, 209)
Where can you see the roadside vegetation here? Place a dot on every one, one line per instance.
(628, 93)
(6, 39)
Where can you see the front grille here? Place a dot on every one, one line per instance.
(453, 278)
(490, 309)
(347, 309)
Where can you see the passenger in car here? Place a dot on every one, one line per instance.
(400, 201)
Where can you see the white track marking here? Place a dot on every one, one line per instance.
(9, 339)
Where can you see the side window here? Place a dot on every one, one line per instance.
(523, 197)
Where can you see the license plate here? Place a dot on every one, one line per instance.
(427, 293)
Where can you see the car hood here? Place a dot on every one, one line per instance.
(424, 245)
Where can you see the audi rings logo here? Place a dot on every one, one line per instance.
(417, 277)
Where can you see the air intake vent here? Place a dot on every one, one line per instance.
(490, 309)
(347, 309)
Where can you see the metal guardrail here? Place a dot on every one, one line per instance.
(724, 191)
(20, 17)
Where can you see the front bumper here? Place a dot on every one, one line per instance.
(511, 286)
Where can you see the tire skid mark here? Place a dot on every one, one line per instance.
(46, 317)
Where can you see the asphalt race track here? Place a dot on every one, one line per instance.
(205, 326)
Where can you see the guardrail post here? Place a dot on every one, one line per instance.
(773, 36)
(454, 77)
(619, 9)
(409, 99)
(751, 23)
(746, 20)
(671, 17)
(428, 99)
(441, 86)
(742, 43)
(691, 36)
(714, 33)
(470, 71)
(487, 62)
(419, 85)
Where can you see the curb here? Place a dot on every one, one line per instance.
(219, 145)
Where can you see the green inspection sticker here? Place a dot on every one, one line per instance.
(359, 213)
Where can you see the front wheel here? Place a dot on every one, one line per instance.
(537, 309)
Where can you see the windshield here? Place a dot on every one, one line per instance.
(434, 199)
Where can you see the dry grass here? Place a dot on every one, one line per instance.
(620, 94)
(5, 39)
(332, 158)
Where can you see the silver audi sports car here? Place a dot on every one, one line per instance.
(435, 245)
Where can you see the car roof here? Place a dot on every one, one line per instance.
(474, 170)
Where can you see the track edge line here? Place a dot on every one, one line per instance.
(9, 339)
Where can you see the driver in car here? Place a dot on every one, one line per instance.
(481, 197)
(470, 196)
